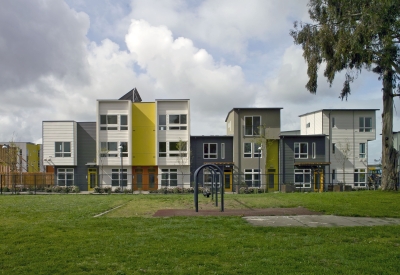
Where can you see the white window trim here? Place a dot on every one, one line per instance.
(360, 171)
(252, 125)
(304, 183)
(63, 153)
(168, 172)
(255, 173)
(300, 154)
(65, 172)
(208, 155)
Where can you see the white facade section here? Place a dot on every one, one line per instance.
(348, 133)
(118, 108)
(59, 132)
(167, 108)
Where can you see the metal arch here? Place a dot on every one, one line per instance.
(196, 184)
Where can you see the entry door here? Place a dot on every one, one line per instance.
(92, 178)
(145, 178)
(318, 181)
(228, 180)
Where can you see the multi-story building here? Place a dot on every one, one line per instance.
(212, 150)
(303, 161)
(255, 134)
(28, 157)
(346, 148)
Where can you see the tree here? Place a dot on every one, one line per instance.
(352, 35)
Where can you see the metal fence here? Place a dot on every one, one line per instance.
(312, 181)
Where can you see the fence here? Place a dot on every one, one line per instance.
(16, 182)
(306, 180)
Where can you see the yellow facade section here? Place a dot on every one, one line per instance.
(33, 160)
(272, 165)
(143, 134)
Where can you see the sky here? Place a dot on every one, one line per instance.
(57, 57)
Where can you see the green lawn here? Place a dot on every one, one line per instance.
(57, 234)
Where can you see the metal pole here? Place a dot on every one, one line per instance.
(1, 184)
(259, 171)
(120, 173)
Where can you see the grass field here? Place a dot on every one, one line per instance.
(58, 234)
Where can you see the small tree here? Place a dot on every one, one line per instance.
(182, 158)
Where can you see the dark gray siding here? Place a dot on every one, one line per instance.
(287, 159)
(86, 135)
(196, 143)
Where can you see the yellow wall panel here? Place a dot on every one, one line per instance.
(273, 161)
(143, 133)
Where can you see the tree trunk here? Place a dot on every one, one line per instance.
(389, 154)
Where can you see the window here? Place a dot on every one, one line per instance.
(169, 177)
(333, 148)
(247, 150)
(108, 122)
(124, 149)
(333, 174)
(362, 151)
(222, 150)
(365, 124)
(111, 149)
(177, 122)
(313, 153)
(252, 125)
(62, 149)
(210, 151)
(116, 175)
(208, 177)
(300, 150)
(65, 176)
(302, 178)
(359, 177)
(333, 122)
(256, 150)
(124, 122)
(252, 177)
(175, 149)
(162, 122)
(308, 125)
(162, 149)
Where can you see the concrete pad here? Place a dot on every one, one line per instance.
(318, 221)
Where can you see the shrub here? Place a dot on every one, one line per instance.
(118, 190)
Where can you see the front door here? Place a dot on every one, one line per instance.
(92, 178)
(145, 178)
(318, 180)
(228, 180)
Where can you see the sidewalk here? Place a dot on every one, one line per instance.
(318, 221)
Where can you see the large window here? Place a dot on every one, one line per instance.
(300, 150)
(172, 149)
(111, 149)
(252, 177)
(116, 175)
(210, 151)
(302, 178)
(62, 149)
(359, 177)
(110, 122)
(247, 150)
(169, 177)
(252, 125)
(365, 124)
(177, 122)
(257, 150)
(362, 151)
(65, 176)
(208, 178)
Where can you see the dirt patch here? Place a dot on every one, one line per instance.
(236, 212)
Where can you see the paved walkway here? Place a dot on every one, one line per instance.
(318, 221)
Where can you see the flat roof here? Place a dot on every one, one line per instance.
(252, 108)
(338, 110)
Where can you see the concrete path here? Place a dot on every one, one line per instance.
(318, 221)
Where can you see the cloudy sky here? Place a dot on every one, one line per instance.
(57, 57)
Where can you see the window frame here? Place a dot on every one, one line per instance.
(115, 176)
(306, 178)
(62, 153)
(363, 128)
(180, 124)
(300, 154)
(166, 177)
(65, 172)
(209, 154)
(362, 150)
(251, 177)
(255, 130)
(360, 177)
